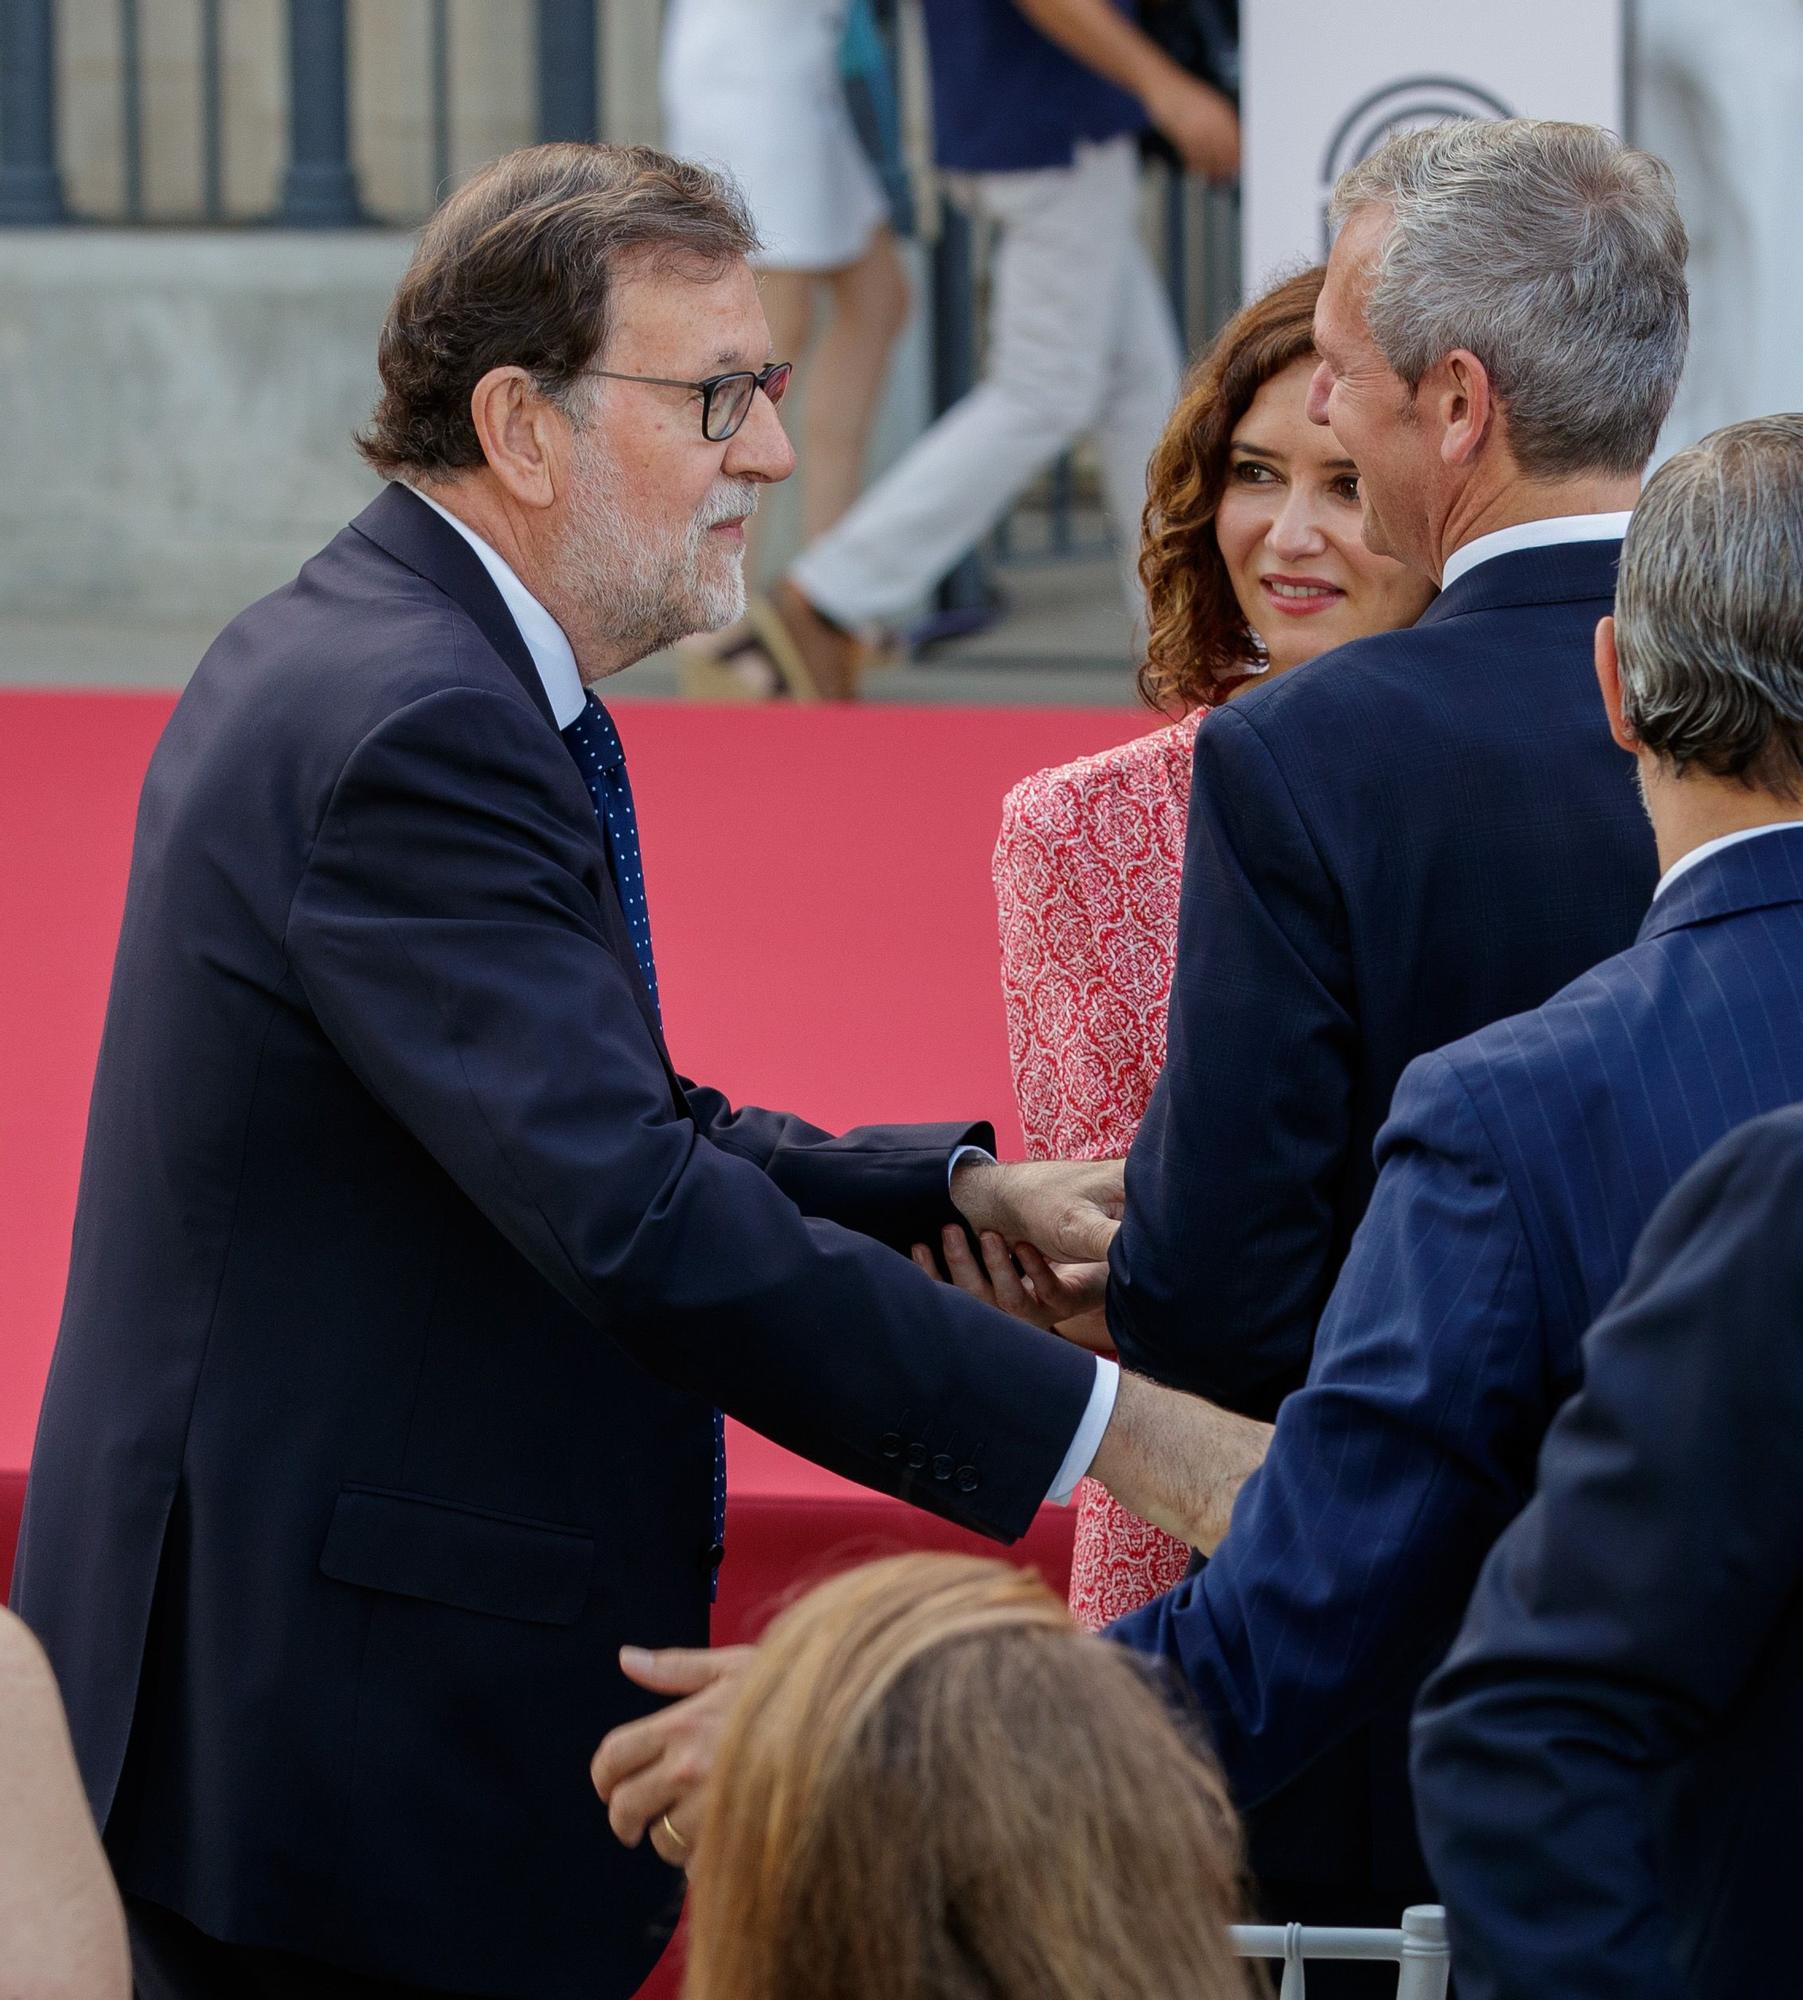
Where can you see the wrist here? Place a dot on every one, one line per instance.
(974, 1190)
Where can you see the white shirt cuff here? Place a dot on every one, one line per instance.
(1088, 1441)
(965, 1153)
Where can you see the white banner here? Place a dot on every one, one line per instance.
(1326, 81)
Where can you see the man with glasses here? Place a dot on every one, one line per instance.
(409, 1275)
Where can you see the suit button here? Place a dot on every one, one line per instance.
(889, 1444)
(713, 1556)
(917, 1457)
(942, 1467)
(967, 1479)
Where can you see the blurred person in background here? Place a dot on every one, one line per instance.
(1038, 109)
(756, 87)
(1252, 562)
(62, 1931)
(931, 1786)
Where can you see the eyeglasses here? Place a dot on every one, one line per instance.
(725, 399)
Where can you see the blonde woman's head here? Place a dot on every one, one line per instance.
(932, 1784)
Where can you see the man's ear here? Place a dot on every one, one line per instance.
(1465, 404)
(1608, 678)
(517, 430)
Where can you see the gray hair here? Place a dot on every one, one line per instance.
(1709, 607)
(1552, 252)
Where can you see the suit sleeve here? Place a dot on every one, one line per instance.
(1624, 1613)
(1389, 1473)
(1225, 1257)
(892, 1182)
(447, 936)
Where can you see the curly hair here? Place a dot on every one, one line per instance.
(1199, 647)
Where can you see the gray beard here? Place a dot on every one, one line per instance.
(639, 594)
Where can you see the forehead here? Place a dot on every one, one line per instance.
(1279, 405)
(670, 322)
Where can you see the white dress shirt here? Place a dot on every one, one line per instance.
(556, 664)
(1533, 535)
(1686, 862)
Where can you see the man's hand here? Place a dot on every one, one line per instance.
(655, 1770)
(1177, 1461)
(1069, 1210)
(1198, 121)
(1065, 1299)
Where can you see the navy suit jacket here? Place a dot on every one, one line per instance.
(1405, 839)
(1610, 1762)
(405, 1272)
(1516, 1172)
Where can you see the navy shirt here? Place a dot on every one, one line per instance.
(1007, 99)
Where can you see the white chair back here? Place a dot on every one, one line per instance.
(1419, 1947)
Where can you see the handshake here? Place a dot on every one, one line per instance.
(1043, 1229)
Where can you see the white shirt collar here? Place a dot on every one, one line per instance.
(1533, 535)
(1686, 862)
(545, 641)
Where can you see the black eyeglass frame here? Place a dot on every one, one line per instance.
(760, 378)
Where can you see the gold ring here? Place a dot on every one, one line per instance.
(669, 1828)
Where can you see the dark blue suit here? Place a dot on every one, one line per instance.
(1412, 836)
(405, 1272)
(1516, 1171)
(1388, 847)
(1611, 1761)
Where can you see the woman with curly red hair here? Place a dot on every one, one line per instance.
(1253, 563)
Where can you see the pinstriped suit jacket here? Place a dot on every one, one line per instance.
(1516, 1171)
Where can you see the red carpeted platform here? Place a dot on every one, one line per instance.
(826, 941)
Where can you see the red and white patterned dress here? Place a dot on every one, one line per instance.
(1086, 876)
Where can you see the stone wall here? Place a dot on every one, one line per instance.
(178, 408)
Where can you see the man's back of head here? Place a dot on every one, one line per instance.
(1702, 664)
(1507, 328)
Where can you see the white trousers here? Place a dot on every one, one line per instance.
(1081, 342)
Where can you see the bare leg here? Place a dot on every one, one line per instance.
(870, 305)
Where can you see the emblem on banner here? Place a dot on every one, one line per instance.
(1406, 105)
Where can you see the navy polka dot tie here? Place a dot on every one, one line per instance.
(595, 744)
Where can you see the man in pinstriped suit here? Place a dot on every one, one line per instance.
(1519, 1165)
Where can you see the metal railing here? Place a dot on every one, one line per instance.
(319, 184)
(314, 168)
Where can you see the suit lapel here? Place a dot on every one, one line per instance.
(401, 525)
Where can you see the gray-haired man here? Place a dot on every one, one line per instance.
(1421, 832)
(1608, 1764)
(1518, 1166)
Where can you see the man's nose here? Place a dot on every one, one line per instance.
(760, 449)
(1320, 387)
